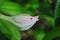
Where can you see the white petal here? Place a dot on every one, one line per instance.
(23, 21)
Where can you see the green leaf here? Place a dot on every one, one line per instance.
(38, 34)
(10, 8)
(45, 8)
(50, 20)
(9, 29)
(13, 9)
(53, 34)
(33, 4)
(4, 0)
(57, 9)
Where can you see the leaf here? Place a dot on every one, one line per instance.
(13, 9)
(10, 8)
(4, 0)
(9, 29)
(51, 21)
(53, 34)
(33, 4)
(38, 34)
(45, 8)
(57, 9)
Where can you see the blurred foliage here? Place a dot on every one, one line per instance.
(9, 29)
(12, 9)
(57, 10)
(57, 22)
(48, 11)
(57, 14)
(3, 36)
(53, 34)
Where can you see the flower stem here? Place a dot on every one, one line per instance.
(4, 17)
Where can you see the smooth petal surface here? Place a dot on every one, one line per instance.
(24, 21)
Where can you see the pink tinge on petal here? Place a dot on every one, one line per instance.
(34, 19)
(24, 19)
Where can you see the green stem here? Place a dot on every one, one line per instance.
(4, 17)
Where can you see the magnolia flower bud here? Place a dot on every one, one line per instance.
(24, 21)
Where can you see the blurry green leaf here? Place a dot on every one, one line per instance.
(53, 34)
(57, 21)
(45, 8)
(9, 29)
(33, 5)
(20, 1)
(57, 9)
(3, 0)
(51, 21)
(10, 8)
(26, 11)
(39, 35)
(3, 36)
